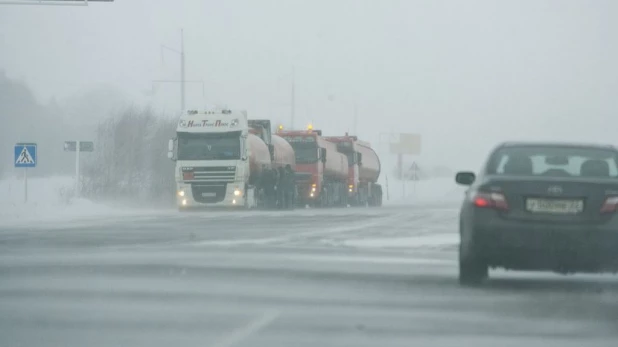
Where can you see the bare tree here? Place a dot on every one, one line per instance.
(130, 162)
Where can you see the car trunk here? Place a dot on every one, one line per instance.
(570, 200)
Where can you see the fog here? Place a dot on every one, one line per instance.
(463, 74)
(290, 247)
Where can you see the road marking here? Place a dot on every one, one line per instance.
(244, 332)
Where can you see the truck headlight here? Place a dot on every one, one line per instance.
(181, 193)
(237, 192)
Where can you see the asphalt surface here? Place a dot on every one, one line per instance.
(293, 278)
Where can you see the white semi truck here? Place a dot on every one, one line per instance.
(224, 160)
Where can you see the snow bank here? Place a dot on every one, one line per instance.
(433, 191)
(49, 199)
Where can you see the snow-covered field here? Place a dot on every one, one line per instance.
(49, 199)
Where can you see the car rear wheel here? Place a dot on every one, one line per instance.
(472, 269)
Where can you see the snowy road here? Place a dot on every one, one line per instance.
(349, 277)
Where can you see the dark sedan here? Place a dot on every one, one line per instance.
(541, 207)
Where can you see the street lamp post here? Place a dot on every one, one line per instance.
(182, 68)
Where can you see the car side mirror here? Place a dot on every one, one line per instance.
(465, 178)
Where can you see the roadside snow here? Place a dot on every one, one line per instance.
(49, 199)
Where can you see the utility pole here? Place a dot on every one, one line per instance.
(182, 70)
(293, 98)
(182, 67)
(355, 119)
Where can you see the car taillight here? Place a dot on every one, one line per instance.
(188, 176)
(490, 200)
(610, 205)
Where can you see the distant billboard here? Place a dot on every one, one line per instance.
(409, 144)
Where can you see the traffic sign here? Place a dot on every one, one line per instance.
(84, 146)
(72, 146)
(25, 155)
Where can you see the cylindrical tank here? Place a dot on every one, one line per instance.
(369, 170)
(336, 166)
(259, 157)
(283, 153)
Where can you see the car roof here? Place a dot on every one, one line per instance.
(556, 144)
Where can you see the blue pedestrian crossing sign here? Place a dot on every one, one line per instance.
(25, 155)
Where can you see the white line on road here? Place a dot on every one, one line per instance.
(244, 332)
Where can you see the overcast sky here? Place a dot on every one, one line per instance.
(464, 74)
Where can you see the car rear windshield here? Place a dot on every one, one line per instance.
(554, 161)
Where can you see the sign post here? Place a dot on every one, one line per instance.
(78, 146)
(414, 170)
(25, 157)
(408, 144)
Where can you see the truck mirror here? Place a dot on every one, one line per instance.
(170, 150)
(323, 154)
(359, 158)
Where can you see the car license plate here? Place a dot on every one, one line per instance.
(209, 195)
(554, 206)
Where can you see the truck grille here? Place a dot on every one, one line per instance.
(302, 177)
(208, 193)
(218, 174)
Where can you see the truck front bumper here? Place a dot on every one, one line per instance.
(207, 195)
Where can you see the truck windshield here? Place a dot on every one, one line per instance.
(306, 153)
(210, 146)
(305, 148)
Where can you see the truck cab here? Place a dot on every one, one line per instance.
(308, 156)
(211, 154)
